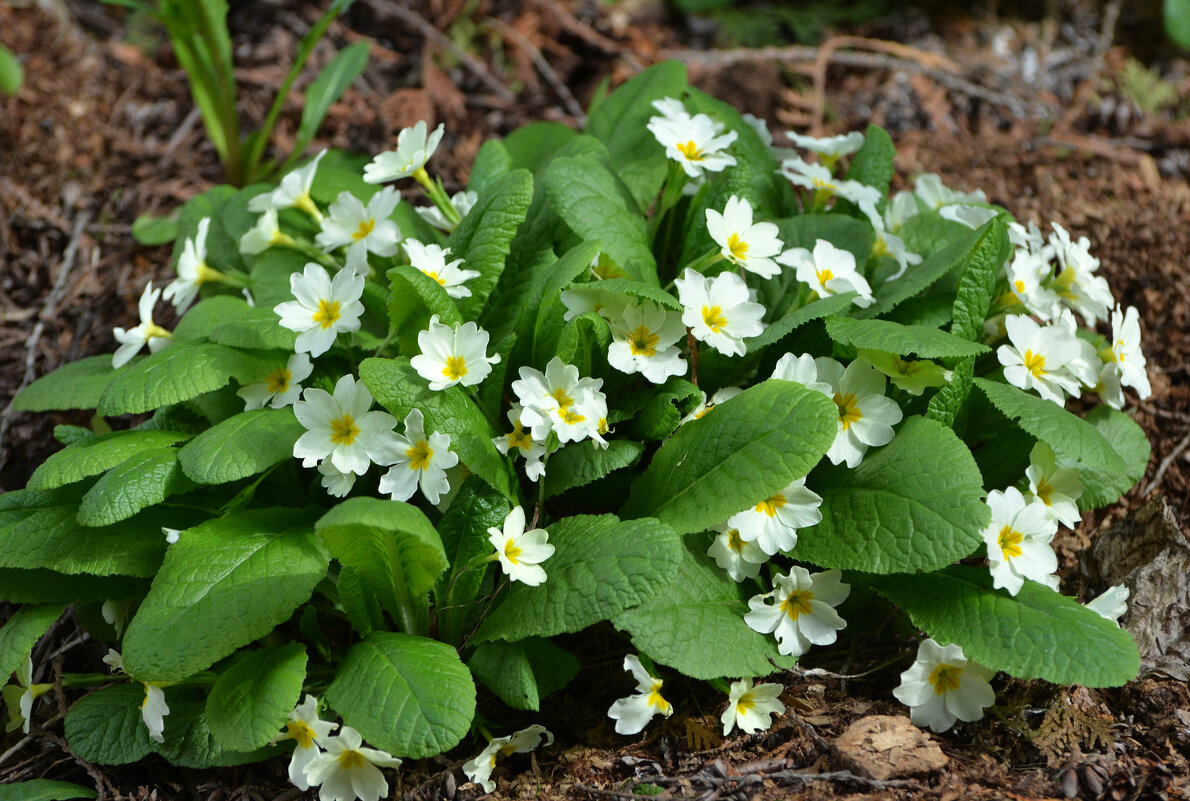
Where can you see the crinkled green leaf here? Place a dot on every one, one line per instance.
(227, 582)
(919, 277)
(44, 790)
(414, 298)
(152, 230)
(977, 281)
(522, 673)
(582, 339)
(142, 480)
(663, 410)
(541, 316)
(928, 233)
(1038, 634)
(484, 238)
(410, 696)
(211, 313)
(251, 327)
(241, 446)
(600, 567)
(93, 456)
(531, 146)
(251, 700)
(873, 165)
(464, 531)
(105, 727)
(492, 163)
(580, 463)
(926, 343)
(741, 452)
(949, 404)
(635, 289)
(21, 633)
(1103, 486)
(797, 317)
(77, 385)
(190, 744)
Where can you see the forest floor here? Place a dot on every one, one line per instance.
(1053, 117)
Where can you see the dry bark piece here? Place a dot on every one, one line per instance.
(889, 747)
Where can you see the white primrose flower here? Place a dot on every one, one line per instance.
(192, 270)
(645, 337)
(830, 148)
(913, 376)
(323, 307)
(414, 149)
(971, 216)
(1037, 358)
(1108, 387)
(1018, 540)
(1112, 604)
(696, 143)
(818, 178)
(462, 201)
(705, 406)
(804, 610)
(521, 439)
(479, 769)
(1085, 365)
(741, 559)
(941, 686)
(866, 416)
(1076, 283)
(293, 191)
(586, 298)
(417, 460)
(560, 400)
(280, 388)
(521, 552)
(361, 229)
(452, 356)
(153, 710)
(900, 208)
(147, 333)
(336, 482)
(720, 311)
(930, 190)
(829, 270)
(751, 708)
(888, 243)
(348, 770)
(1028, 273)
(633, 713)
(742, 242)
(308, 731)
(1126, 353)
(431, 260)
(802, 370)
(1056, 487)
(19, 697)
(672, 109)
(341, 428)
(773, 523)
(265, 234)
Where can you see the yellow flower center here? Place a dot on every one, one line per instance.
(1044, 491)
(434, 275)
(879, 247)
(770, 505)
(520, 438)
(564, 400)
(455, 368)
(733, 540)
(745, 702)
(655, 699)
(1010, 542)
(824, 276)
(713, 317)
(512, 551)
(798, 603)
(299, 730)
(643, 342)
(327, 314)
(945, 678)
(738, 247)
(1034, 363)
(420, 455)
(344, 430)
(570, 417)
(352, 760)
(1019, 285)
(849, 411)
(278, 381)
(690, 150)
(822, 183)
(364, 229)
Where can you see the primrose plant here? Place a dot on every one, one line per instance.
(657, 377)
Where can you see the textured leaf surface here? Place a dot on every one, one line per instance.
(44, 790)
(915, 504)
(90, 457)
(926, 343)
(251, 701)
(743, 451)
(46, 586)
(415, 296)
(464, 531)
(241, 446)
(226, 583)
(600, 567)
(77, 385)
(138, 482)
(796, 318)
(522, 673)
(1102, 487)
(541, 314)
(485, 236)
(106, 728)
(407, 695)
(581, 463)
(1039, 634)
(977, 285)
(920, 277)
(949, 404)
(190, 744)
(873, 164)
(696, 625)
(252, 327)
(21, 633)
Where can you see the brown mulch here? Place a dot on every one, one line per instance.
(103, 131)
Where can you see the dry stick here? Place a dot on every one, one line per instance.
(1166, 462)
(47, 311)
(588, 34)
(476, 67)
(543, 66)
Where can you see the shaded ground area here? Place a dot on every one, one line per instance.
(104, 131)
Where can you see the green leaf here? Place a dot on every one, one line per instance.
(180, 372)
(241, 446)
(484, 237)
(39, 529)
(407, 695)
(797, 317)
(1177, 21)
(949, 404)
(397, 386)
(464, 531)
(847, 233)
(1047, 421)
(927, 343)
(142, 480)
(1038, 634)
(492, 163)
(588, 198)
(44, 790)
(212, 313)
(77, 385)
(522, 673)
(21, 633)
(271, 270)
(929, 232)
(696, 624)
(741, 452)
(227, 582)
(873, 164)
(339, 73)
(635, 289)
(414, 298)
(531, 146)
(539, 312)
(230, 219)
(920, 277)
(581, 337)
(12, 75)
(977, 282)
(916, 504)
(93, 456)
(38, 586)
(600, 567)
(251, 701)
(1102, 487)
(189, 742)
(251, 327)
(151, 230)
(581, 463)
(105, 727)
(664, 409)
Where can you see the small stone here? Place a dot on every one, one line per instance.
(889, 747)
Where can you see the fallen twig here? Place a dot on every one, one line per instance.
(588, 34)
(1166, 462)
(543, 66)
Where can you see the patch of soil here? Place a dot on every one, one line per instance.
(103, 132)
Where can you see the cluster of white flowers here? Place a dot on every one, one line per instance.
(479, 769)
